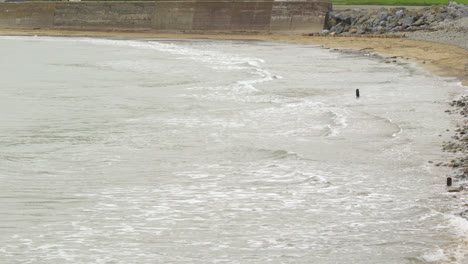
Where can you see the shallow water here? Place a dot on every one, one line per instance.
(194, 151)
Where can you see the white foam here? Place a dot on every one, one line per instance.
(340, 123)
(399, 127)
(455, 253)
(436, 256)
(214, 59)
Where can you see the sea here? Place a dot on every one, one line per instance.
(222, 151)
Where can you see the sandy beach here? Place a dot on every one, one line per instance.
(439, 59)
(390, 208)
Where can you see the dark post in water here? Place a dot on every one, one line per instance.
(357, 93)
(449, 181)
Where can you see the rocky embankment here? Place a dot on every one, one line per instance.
(378, 21)
(459, 142)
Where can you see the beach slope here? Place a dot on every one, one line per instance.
(439, 59)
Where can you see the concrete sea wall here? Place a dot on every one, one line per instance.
(268, 16)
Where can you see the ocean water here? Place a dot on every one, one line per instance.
(204, 151)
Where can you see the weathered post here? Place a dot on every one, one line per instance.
(357, 93)
(449, 181)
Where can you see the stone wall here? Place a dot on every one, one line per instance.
(265, 16)
(27, 15)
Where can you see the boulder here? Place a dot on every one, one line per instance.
(407, 21)
(429, 18)
(362, 19)
(344, 17)
(377, 29)
(383, 16)
(375, 20)
(448, 19)
(437, 9)
(338, 28)
(439, 17)
(419, 22)
(358, 20)
(399, 14)
(392, 25)
(354, 18)
(455, 5)
(331, 22)
(452, 12)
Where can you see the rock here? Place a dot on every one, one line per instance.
(407, 21)
(344, 17)
(439, 17)
(338, 28)
(361, 20)
(392, 24)
(384, 16)
(331, 22)
(455, 189)
(429, 18)
(419, 22)
(382, 9)
(453, 4)
(452, 11)
(399, 14)
(447, 19)
(376, 29)
(360, 32)
(354, 18)
(396, 19)
(375, 20)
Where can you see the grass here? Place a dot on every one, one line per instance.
(397, 2)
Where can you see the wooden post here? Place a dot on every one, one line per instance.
(357, 93)
(449, 181)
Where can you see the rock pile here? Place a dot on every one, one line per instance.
(459, 142)
(378, 21)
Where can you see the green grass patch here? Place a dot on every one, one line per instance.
(397, 2)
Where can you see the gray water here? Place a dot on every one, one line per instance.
(194, 151)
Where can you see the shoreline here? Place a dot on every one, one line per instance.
(439, 59)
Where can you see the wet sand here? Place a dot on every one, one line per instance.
(439, 59)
